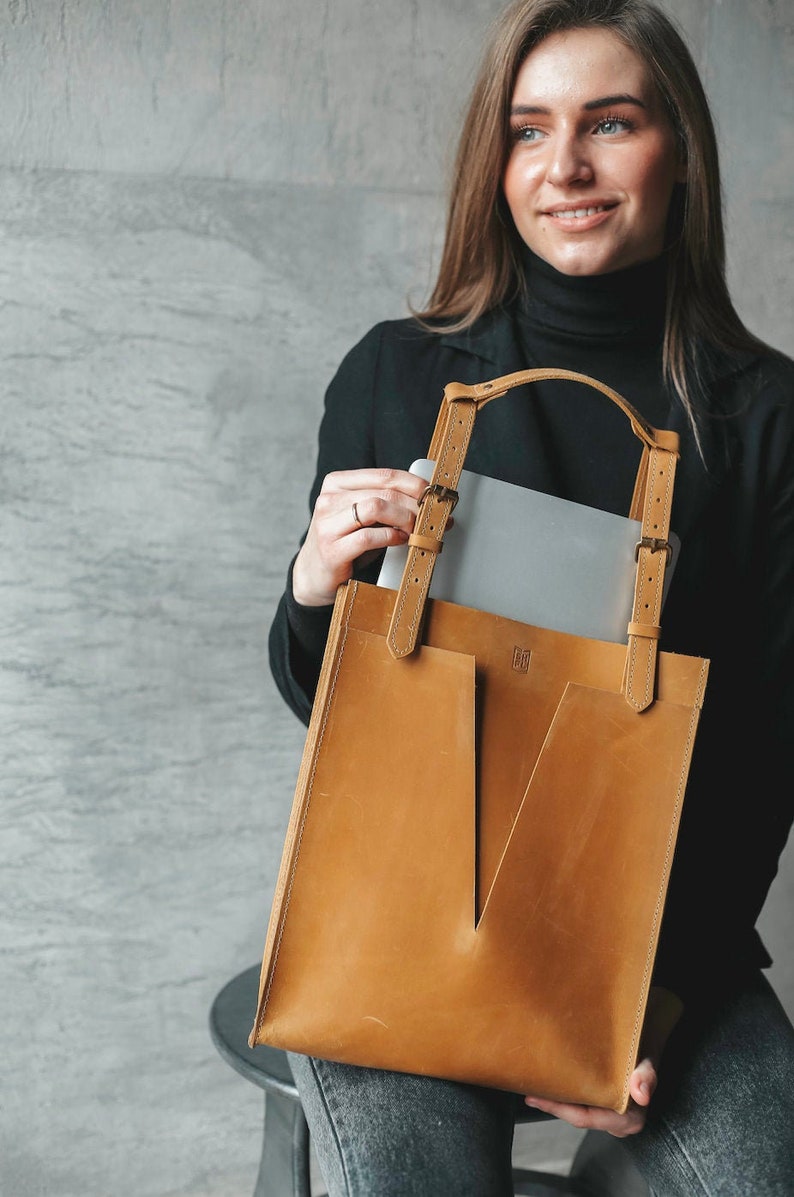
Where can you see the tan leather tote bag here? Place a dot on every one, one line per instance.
(480, 843)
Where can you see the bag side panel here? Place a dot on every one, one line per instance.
(325, 685)
(580, 889)
(388, 797)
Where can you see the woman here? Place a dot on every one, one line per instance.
(584, 231)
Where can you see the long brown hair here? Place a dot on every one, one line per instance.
(480, 262)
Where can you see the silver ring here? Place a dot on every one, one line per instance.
(358, 522)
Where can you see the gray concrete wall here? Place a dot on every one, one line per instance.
(202, 205)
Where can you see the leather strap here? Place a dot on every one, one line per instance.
(653, 551)
(651, 502)
(428, 543)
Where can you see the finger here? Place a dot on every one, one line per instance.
(337, 518)
(394, 512)
(351, 520)
(593, 1117)
(642, 1082)
(376, 480)
(346, 535)
(321, 566)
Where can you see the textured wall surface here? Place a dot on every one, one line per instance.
(202, 205)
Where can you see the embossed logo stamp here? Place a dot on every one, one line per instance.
(521, 659)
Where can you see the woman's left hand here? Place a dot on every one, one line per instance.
(641, 1086)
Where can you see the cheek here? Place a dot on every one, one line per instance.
(510, 184)
(519, 181)
(656, 175)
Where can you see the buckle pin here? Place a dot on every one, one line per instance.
(655, 544)
(440, 492)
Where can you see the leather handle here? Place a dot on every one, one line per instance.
(483, 392)
(651, 502)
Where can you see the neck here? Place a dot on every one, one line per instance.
(626, 305)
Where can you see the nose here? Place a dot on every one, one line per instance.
(570, 161)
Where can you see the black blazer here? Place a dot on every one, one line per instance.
(731, 598)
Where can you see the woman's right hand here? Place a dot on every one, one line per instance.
(358, 513)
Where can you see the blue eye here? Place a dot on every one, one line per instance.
(527, 133)
(613, 124)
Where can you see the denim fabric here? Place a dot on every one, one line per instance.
(388, 1134)
(722, 1121)
(723, 1115)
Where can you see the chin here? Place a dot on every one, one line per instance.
(582, 259)
(576, 263)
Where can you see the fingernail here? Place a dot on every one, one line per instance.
(530, 1101)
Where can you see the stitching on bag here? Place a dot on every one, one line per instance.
(666, 507)
(638, 702)
(659, 897)
(420, 597)
(648, 648)
(631, 671)
(701, 691)
(650, 653)
(309, 789)
(428, 571)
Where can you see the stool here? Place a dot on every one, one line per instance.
(284, 1163)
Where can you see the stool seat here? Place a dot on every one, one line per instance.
(231, 1019)
(284, 1169)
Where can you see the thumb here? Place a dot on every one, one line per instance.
(642, 1082)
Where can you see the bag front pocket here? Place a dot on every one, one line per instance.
(579, 891)
(389, 797)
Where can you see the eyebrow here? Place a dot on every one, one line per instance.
(610, 101)
(591, 105)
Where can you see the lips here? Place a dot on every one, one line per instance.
(578, 213)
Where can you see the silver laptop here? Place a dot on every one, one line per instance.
(533, 557)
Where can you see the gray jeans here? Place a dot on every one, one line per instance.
(721, 1122)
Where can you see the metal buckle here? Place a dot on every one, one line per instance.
(655, 544)
(440, 492)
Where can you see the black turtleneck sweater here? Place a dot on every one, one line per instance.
(608, 326)
(730, 598)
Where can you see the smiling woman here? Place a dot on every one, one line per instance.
(594, 158)
(584, 231)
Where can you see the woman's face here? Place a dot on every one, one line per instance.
(593, 159)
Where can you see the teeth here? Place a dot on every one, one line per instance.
(572, 213)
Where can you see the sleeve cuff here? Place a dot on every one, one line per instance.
(308, 625)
